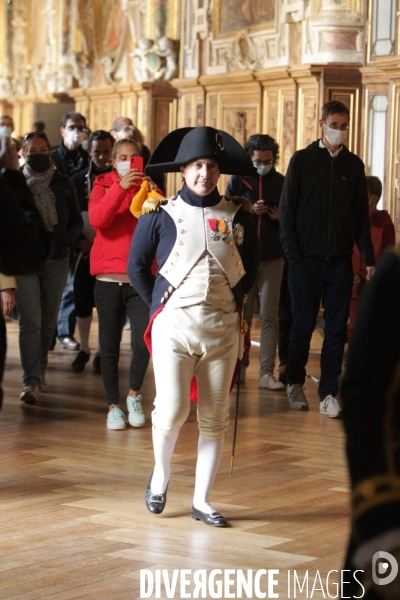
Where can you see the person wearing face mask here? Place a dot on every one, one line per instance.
(100, 145)
(70, 158)
(264, 190)
(322, 212)
(38, 296)
(6, 129)
(114, 224)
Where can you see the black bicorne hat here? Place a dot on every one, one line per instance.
(190, 143)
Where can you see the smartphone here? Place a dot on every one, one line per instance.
(137, 163)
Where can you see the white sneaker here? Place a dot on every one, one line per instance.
(115, 418)
(270, 382)
(136, 416)
(29, 394)
(297, 399)
(330, 406)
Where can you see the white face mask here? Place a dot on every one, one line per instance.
(263, 170)
(5, 131)
(123, 167)
(85, 144)
(335, 137)
(73, 139)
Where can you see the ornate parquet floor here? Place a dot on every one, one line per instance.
(73, 523)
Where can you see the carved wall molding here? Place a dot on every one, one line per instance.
(215, 41)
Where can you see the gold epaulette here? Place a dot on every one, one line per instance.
(152, 205)
(245, 203)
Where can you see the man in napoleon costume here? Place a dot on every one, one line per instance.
(206, 249)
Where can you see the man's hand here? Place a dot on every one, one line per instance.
(356, 282)
(85, 246)
(8, 154)
(260, 208)
(272, 212)
(131, 177)
(370, 272)
(7, 301)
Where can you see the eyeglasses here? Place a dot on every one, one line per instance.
(77, 127)
(36, 134)
(334, 125)
(263, 163)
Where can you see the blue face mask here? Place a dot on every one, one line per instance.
(263, 170)
(5, 131)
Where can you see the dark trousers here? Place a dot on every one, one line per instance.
(311, 281)
(112, 301)
(285, 318)
(84, 284)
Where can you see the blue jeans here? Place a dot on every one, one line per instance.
(66, 319)
(311, 281)
(38, 299)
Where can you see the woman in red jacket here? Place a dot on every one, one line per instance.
(111, 218)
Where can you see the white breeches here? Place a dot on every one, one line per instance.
(200, 341)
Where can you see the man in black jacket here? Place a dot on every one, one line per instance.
(264, 189)
(69, 158)
(323, 210)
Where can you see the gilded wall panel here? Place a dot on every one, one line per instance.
(212, 116)
(278, 99)
(240, 121)
(128, 105)
(279, 112)
(187, 114)
(308, 118)
(346, 9)
(270, 113)
(287, 137)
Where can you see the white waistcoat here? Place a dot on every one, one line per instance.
(195, 235)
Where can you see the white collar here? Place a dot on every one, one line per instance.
(333, 154)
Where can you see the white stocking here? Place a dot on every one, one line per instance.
(163, 450)
(208, 459)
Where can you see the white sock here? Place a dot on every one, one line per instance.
(163, 450)
(208, 459)
(83, 324)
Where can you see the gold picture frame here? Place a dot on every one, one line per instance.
(231, 16)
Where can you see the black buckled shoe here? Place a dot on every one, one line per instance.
(214, 518)
(155, 502)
